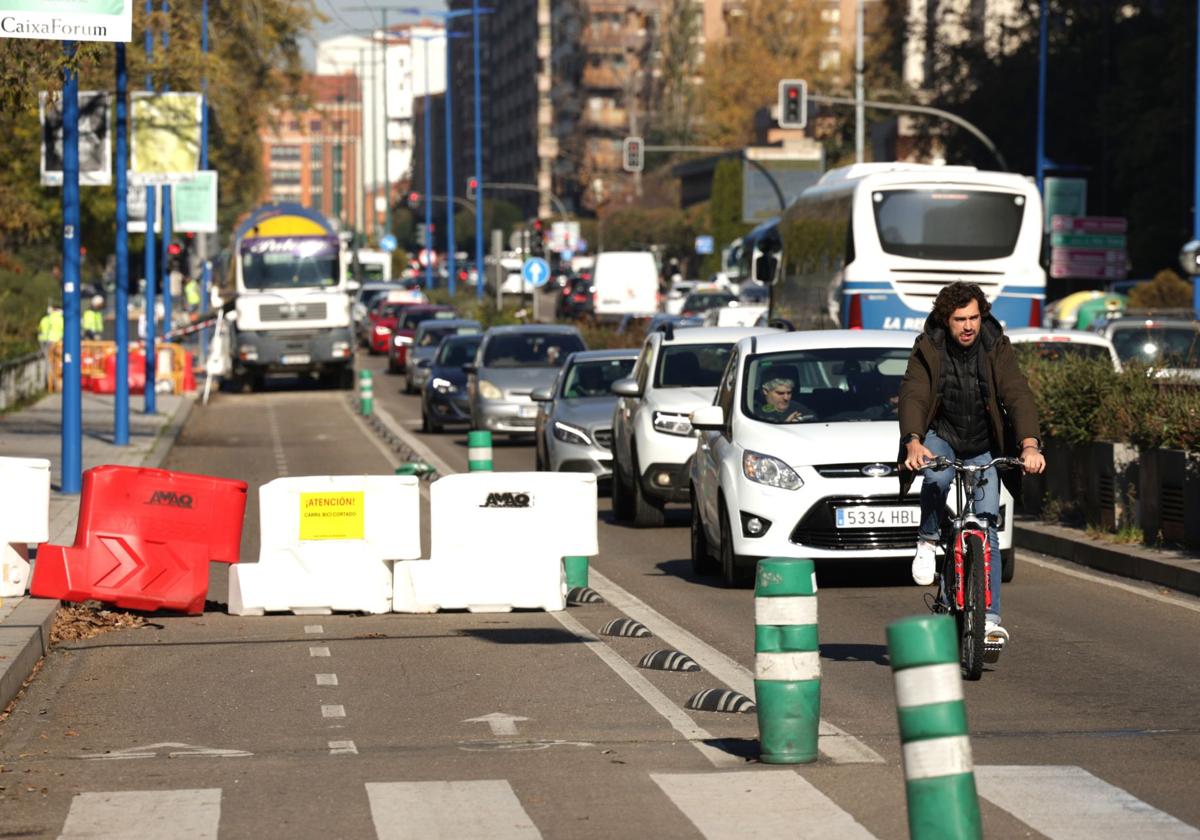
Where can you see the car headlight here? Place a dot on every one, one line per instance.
(672, 424)
(443, 386)
(571, 434)
(488, 391)
(402, 340)
(770, 471)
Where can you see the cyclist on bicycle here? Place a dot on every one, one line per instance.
(964, 397)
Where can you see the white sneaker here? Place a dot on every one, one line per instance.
(994, 633)
(924, 563)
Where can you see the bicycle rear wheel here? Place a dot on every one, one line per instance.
(971, 619)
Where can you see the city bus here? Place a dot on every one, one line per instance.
(871, 245)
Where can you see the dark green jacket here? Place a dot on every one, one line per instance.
(1011, 407)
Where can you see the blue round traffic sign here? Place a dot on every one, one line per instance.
(536, 272)
(388, 243)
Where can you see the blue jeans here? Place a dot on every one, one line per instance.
(934, 488)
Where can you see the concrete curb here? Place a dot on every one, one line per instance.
(1173, 569)
(25, 629)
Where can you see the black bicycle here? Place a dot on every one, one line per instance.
(965, 580)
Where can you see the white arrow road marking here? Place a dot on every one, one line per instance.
(501, 724)
(173, 750)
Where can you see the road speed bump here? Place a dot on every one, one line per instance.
(366, 393)
(939, 775)
(787, 660)
(479, 451)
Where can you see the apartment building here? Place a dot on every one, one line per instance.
(313, 157)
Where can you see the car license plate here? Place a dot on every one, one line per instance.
(527, 411)
(878, 517)
(295, 359)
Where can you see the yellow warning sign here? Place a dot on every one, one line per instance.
(331, 516)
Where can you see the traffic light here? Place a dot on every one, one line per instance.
(631, 154)
(472, 186)
(414, 199)
(793, 103)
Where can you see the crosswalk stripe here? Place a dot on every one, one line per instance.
(144, 815)
(1065, 803)
(450, 810)
(768, 804)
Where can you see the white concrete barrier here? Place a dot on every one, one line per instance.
(497, 542)
(327, 543)
(24, 518)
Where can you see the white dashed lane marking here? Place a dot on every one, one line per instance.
(342, 748)
(332, 711)
(327, 679)
(313, 628)
(318, 651)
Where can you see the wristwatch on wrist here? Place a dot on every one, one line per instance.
(1037, 447)
(910, 437)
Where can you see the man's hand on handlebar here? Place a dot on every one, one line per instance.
(916, 455)
(1032, 460)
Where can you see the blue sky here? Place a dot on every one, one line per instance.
(345, 16)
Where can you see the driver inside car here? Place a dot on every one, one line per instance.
(778, 406)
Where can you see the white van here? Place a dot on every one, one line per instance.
(625, 283)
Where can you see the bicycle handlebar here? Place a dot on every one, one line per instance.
(942, 463)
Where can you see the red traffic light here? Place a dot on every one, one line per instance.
(414, 197)
(174, 250)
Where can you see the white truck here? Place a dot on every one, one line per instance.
(290, 308)
(625, 283)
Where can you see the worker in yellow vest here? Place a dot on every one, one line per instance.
(93, 320)
(191, 294)
(50, 328)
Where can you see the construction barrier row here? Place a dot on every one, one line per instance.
(175, 368)
(145, 538)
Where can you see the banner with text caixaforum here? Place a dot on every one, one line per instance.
(67, 20)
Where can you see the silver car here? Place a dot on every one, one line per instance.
(511, 363)
(419, 359)
(574, 426)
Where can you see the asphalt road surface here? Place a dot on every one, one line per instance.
(529, 724)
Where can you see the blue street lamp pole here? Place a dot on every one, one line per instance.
(1043, 38)
(166, 201)
(449, 109)
(72, 393)
(1196, 172)
(206, 274)
(121, 306)
(150, 406)
(428, 172)
(479, 219)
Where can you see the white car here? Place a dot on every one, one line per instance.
(679, 290)
(815, 478)
(1055, 344)
(676, 372)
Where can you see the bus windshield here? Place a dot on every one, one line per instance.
(289, 263)
(948, 224)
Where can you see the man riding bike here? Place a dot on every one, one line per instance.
(964, 397)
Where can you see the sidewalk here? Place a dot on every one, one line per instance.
(34, 432)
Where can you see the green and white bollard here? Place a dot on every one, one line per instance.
(366, 393)
(939, 776)
(787, 660)
(577, 572)
(479, 451)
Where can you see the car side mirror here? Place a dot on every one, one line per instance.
(710, 418)
(626, 388)
(470, 367)
(541, 395)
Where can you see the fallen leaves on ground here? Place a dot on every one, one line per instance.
(74, 622)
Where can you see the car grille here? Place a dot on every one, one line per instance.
(290, 311)
(521, 421)
(851, 470)
(603, 438)
(818, 528)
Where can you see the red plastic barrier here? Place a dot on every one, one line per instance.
(107, 384)
(145, 539)
(189, 373)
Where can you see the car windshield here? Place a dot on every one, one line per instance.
(707, 300)
(948, 224)
(456, 352)
(595, 378)
(1176, 347)
(431, 336)
(1055, 350)
(532, 349)
(390, 310)
(410, 320)
(837, 385)
(691, 365)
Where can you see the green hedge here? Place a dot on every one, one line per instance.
(1081, 400)
(23, 299)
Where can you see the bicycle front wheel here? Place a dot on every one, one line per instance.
(971, 619)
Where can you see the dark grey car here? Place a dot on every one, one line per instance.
(574, 425)
(513, 361)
